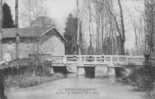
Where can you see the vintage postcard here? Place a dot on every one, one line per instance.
(77, 49)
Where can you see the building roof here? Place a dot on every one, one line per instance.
(29, 32)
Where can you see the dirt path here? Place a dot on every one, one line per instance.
(75, 88)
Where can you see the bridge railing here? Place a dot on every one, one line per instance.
(96, 59)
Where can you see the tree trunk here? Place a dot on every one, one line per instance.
(122, 49)
(120, 27)
(122, 34)
(17, 35)
(78, 29)
(1, 16)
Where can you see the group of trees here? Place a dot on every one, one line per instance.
(112, 21)
(71, 34)
(31, 9)
(35, 14)
(7, 20)
(103, 29)
(110, 27)
(42, 21)
(101, 25)
(149, 29)
(7, 17)
(104, 24)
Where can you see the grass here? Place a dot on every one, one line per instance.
(23, 77)
(30, 81)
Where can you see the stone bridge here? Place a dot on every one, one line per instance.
(77, 63)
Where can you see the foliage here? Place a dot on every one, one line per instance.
(23, 76)
(110, 45)
(31, 9)
(142, 79)
(110, 26)
(7, 17)
(29, 80)
(42, 21)
(71, 34)
(151, 94)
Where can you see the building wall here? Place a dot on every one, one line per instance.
(24, 50)
(9, 49)
(53, 45)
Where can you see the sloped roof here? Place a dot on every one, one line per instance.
(28, 32)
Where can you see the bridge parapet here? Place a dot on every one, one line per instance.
(97, 59)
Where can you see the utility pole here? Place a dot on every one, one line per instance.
(1, 21)
(16, 23)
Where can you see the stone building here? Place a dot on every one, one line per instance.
(45, 40)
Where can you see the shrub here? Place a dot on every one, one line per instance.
(142, 78)
(151, 94)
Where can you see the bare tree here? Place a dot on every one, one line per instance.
(78, 30)
(138, 27)
(32, 9)
(87, 18)
(106, 26)
(102, 22)
(122, 28)
(119, 24)
(100, 15)
(36, 8)
(90, 48)
(16, 24)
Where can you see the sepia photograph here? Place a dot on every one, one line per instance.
(77, 49)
